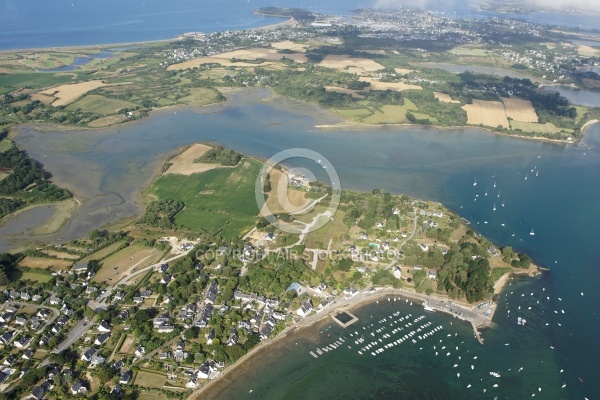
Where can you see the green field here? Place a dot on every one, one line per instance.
(32, 275)
(535, 127)
(220, 200)
(33, 79)
(201, 97)
(100, 105)
(387, 114)
(5, 144)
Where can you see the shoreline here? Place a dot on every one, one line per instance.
(213, 387)
(357, 125)
(102, 46)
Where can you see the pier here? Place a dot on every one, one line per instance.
(344, 319)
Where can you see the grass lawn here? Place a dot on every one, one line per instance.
(32, 275)
(331, 231)
(5, 144)
(152, 396)
(390, 114)
(535, 127)
(354, 113)
(136, 254)
(149, 379)
(201, 97)
(215, 200)
(102, 253)
(100, 105)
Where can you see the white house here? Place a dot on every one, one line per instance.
(304, 309)
(397, 271)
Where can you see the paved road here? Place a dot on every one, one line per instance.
(126, 278)
(54, 311)
(74, 334)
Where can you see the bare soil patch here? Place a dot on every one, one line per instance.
(281, 192)
(66, 94)
(520, 110)
(337, 89)
(403, 71)
(343, 61)
(289, 45)
(395, 86)
(184, 164)
(45, 263)
(261, 52)
(43, 98)
(444, 98)
(127, 344)
(488, 113)
(61, 254)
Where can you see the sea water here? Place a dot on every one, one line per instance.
(561, 205)
(38, 23)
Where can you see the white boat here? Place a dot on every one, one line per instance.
(532, 233)
(494, 184)
(485, 193)
(494, 209)
(427, 308)
(525, 176)
(475, 183)
(536, 173)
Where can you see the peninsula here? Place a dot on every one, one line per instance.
(189, 290)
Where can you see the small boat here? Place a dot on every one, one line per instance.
(427, 308)
(580, 379)
(486, 193)
(536, 173)
(494, 209)
(502, 204)
(532, 233)
(475, 183)
(494, 184)
(525, 176)
(498, 194)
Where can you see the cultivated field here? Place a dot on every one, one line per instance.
(45, 263)
(132, 256)
(102, 253)
(197, 62)
(261, 52)
(66, 94)
(279, 184)
(520, 110)
(395, 86)
(61, 254)
(184, 163)
(444, 98)
(220, 199)
(289, 45)
(488, 113)
(100, 105)
(535, 127)
(403, 71)
(341, 62)
(43, 98)
(337, 89)
(588, 51)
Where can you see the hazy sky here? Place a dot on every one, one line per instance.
(592, 5)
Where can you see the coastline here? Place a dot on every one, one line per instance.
(103, 46)
(213, 388)
(357, 125)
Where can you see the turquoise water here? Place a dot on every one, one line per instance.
(561, 204)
